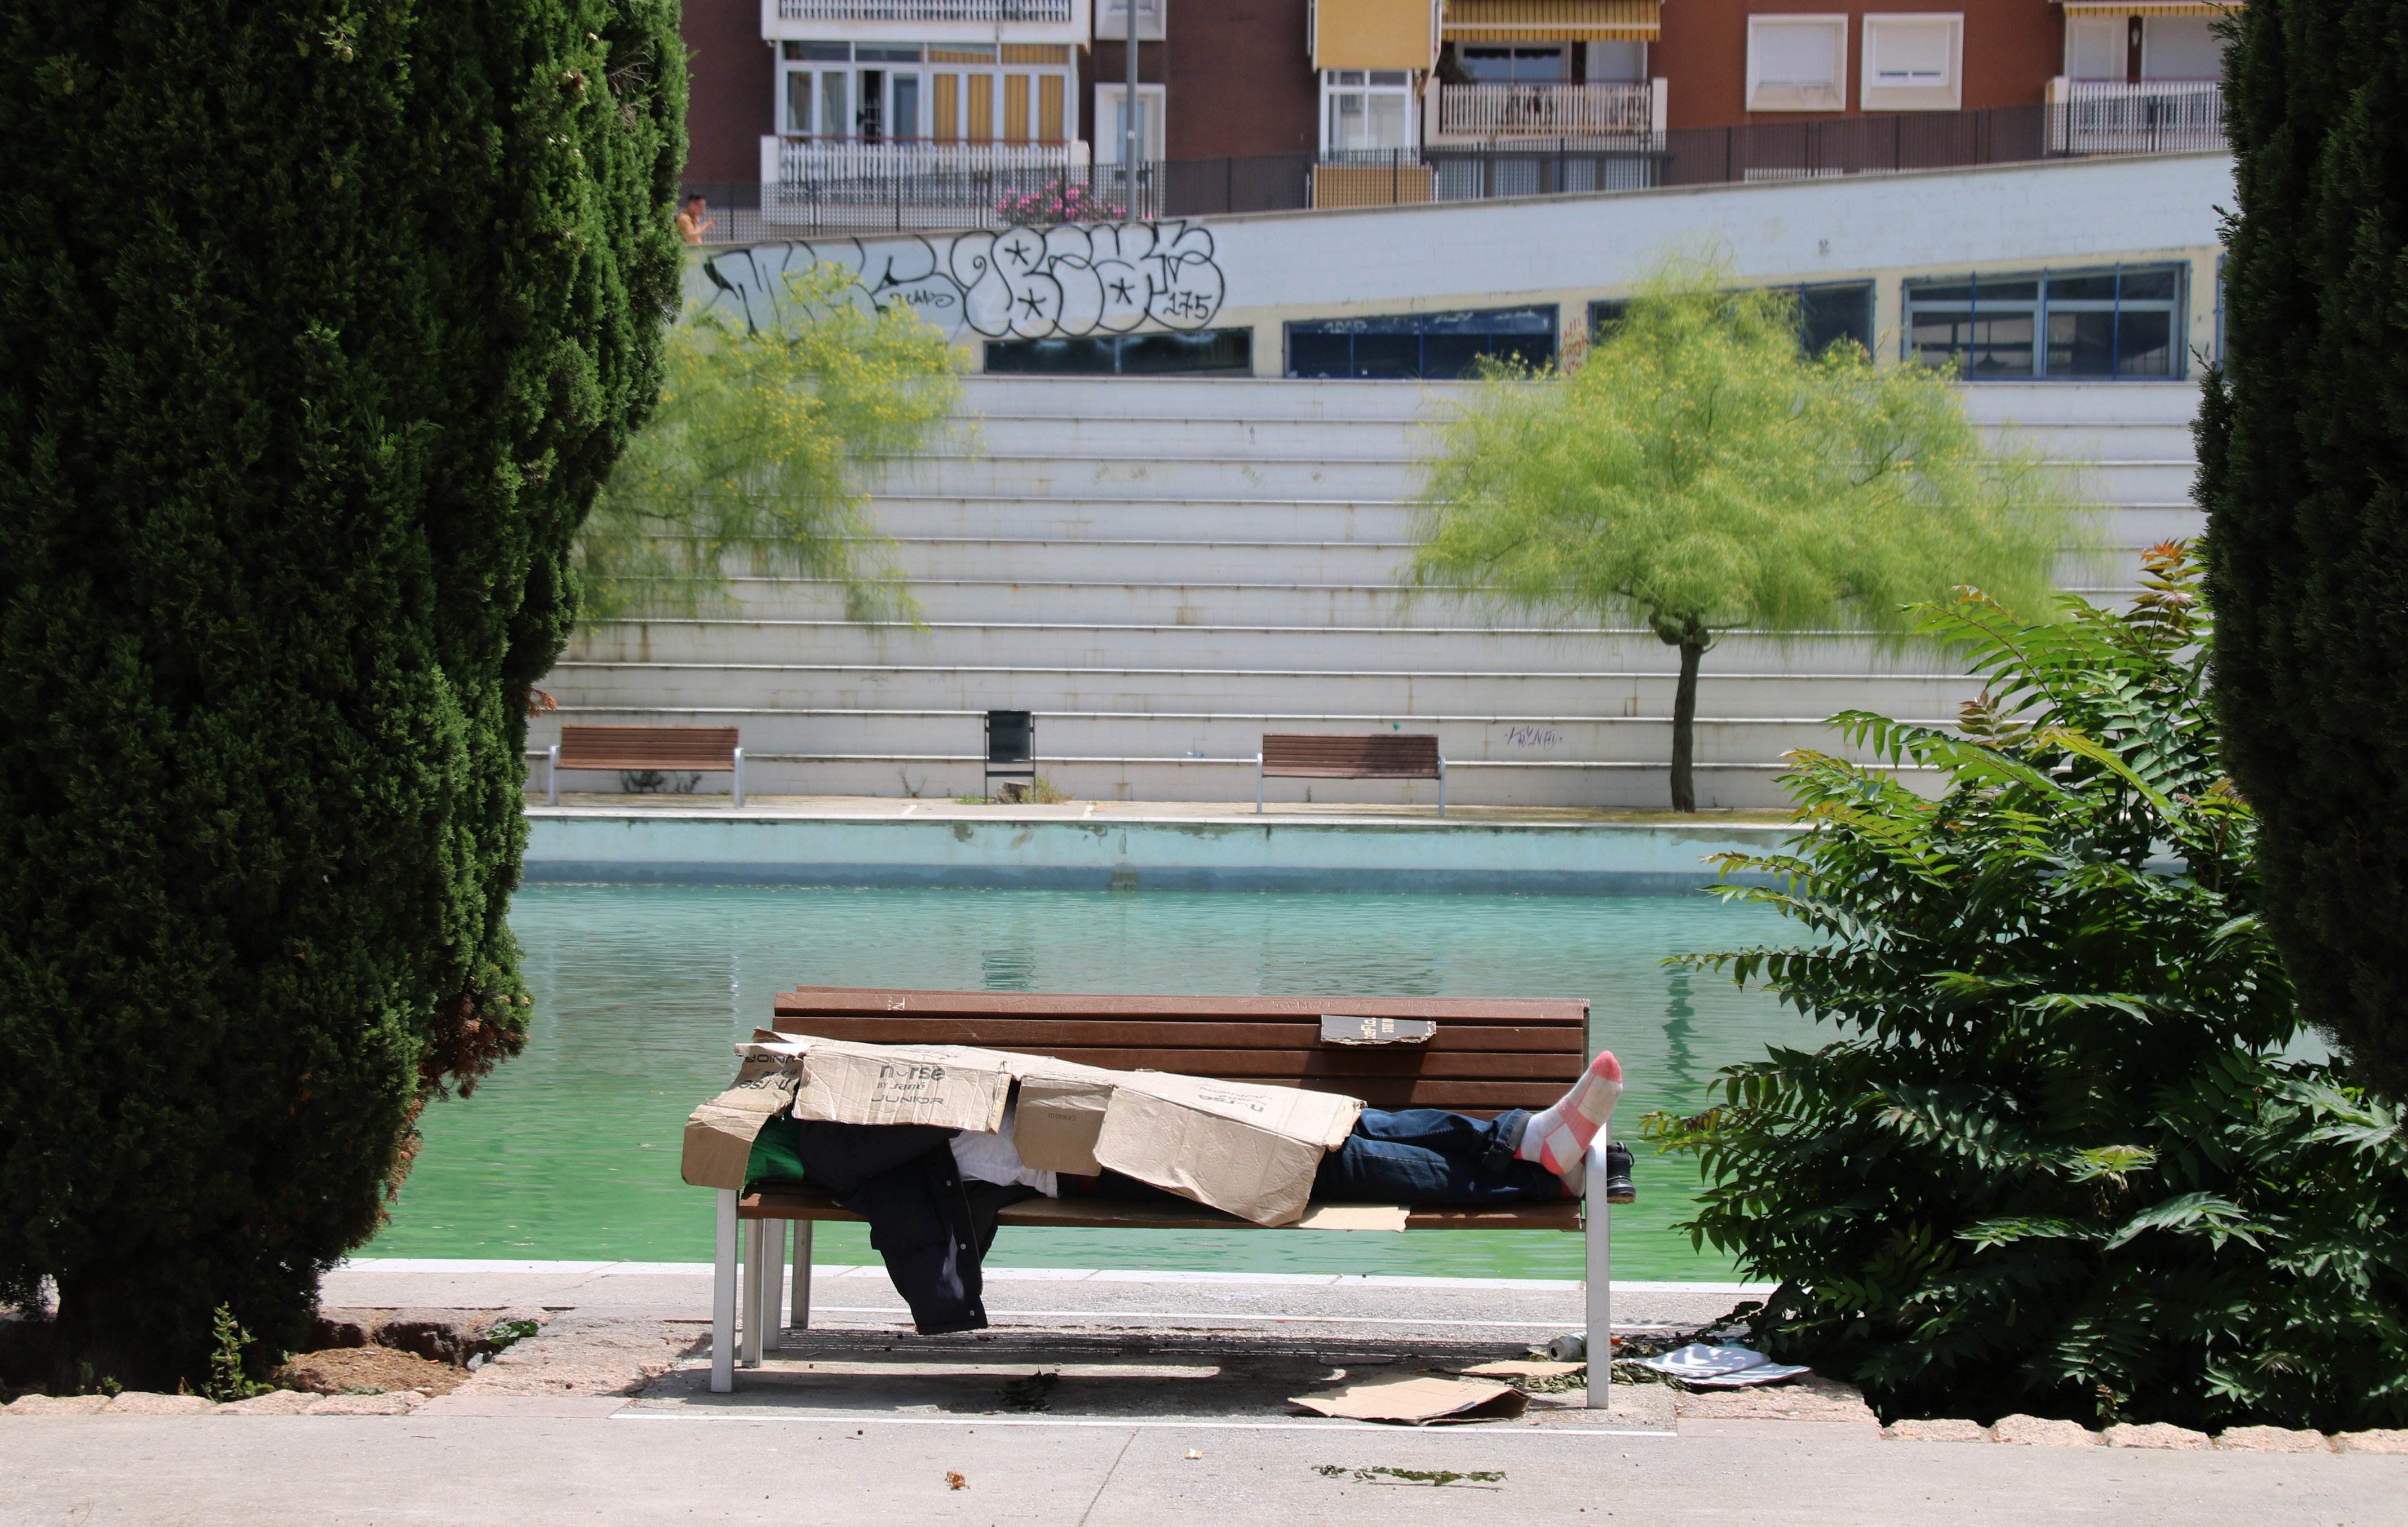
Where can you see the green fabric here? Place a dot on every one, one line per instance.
(777, 1154)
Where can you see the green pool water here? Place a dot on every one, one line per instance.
(571, 1150)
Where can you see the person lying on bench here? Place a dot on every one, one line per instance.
(1426, 1156)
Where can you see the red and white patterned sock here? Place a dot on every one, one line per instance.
(1558, 1138)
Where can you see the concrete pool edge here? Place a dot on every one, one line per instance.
(1164, 853)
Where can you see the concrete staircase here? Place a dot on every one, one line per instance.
(1163, 569)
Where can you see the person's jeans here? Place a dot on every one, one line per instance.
(1430, 1156)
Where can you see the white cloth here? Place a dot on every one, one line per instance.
(994, 1157)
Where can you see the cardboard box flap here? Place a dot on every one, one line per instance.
(1059, 1118)
(718, 1134)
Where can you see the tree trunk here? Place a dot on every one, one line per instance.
(1684, 723)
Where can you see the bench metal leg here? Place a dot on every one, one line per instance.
(1597, 1270)
(552, 775)
(739, 778)
(773, 1287)
(723, 1298)
(800, 1318)
(756, 1254)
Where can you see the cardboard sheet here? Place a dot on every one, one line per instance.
(948, 1086)
(1249, 1149)
(718, 1134)
(1418, 1402)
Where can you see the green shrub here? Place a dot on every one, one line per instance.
(2057, 1162)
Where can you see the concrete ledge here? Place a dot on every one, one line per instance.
(1169, 854)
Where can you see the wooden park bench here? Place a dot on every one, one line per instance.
(1318, 755)
(1486, 1055)
(701, 749)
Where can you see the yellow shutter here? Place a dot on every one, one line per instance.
(1050, 125)
(949, 108)
(1552, 20)
(982, 123)
(1015, 108)
(1373, 35)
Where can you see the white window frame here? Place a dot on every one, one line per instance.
(1947, 95)
(1111, 20)
(1152, 104)
(1787, 97)
(1331, 85)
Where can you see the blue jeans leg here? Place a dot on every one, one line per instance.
(1430, 1156)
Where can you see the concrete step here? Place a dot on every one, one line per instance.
(2085, 403)
(1555, 739)
(1634, 784)
(1247, 593)
(1347, 439)
(1724, 689)
(1164, 476)
(1483, 648)
(1185, 564)
(1203, 397)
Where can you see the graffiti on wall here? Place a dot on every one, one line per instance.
(1021, 283)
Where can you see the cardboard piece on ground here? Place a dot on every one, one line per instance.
(1418, 1402)
(1249, 1149)
(1353, 1217)
(718, 1134)
(1523, 1368)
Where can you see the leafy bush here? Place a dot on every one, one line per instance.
(2057, 1163)
(754, 453)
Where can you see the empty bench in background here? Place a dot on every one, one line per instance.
(1482, 1056)
(1378, 755)
(695, 750)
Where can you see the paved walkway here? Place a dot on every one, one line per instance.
(1166, 1404)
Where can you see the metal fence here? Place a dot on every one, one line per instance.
(994, 194)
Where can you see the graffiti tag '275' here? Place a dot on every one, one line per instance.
(1021, 283)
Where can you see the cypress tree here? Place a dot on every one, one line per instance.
(2303, 453)
(321, 322)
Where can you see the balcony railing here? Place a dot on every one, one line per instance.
(924, 11)
(830, 184)
(2155, 116)
(1555, 112)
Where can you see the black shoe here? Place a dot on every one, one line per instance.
(1618, 1189)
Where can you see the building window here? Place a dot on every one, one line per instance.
(1438, 347)
(954, 93)
(2180, 48)
(2124, 321)
(2095, 48)
(1913, 63)
(1363, 110)
(1203, 353)
(1796, 63)
(1827, 314)
(1514, 66)
(1111, 121)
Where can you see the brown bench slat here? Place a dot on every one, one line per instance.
(1380, 755)
(905, 1003)
(647, 747)
(1335, 1063)
(1123, 1214)
(1097, 1034)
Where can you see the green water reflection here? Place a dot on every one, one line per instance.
(571, 1150)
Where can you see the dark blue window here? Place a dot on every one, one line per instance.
(1437, 347)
